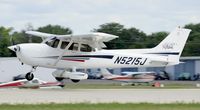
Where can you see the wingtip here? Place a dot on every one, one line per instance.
(105, 34)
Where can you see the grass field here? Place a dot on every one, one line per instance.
(102, 106)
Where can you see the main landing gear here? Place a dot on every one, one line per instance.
(29, 76)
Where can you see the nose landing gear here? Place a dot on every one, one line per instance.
(29, 76)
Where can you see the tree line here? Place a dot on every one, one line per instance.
(129, 38)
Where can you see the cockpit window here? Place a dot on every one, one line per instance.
(64, 44)
(53, 43)
(74, 47)
(85, 48)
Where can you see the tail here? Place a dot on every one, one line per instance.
(172, 46)
(105, 73)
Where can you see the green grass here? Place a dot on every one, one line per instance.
(102, 106)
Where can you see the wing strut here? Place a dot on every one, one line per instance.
(60, 56)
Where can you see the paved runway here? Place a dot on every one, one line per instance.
(29, 96)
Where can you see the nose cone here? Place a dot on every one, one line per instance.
(13, 48)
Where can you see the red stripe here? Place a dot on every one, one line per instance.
(74, 60)
(51, 84)
(122, 78)
(116, 78)
(15, 84)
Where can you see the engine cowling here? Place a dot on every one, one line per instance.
(74, 76)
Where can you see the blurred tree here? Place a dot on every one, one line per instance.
(192, 48)
(55, 29)
(5, 41)
(29, 27)
(127, 37)
(154, 39)
(133, 37)
(114, 29)
(22, 37)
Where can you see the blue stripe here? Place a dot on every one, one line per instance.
(91, 56)
(84, 57)
(166, 53)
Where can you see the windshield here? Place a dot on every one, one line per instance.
(53, 43)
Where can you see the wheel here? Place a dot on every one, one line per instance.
(59, 79)
(62, 86)
(75, 81)
(29, 76)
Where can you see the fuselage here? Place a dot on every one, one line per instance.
(42, 55)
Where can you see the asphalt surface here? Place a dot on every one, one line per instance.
(35, 96)
(93, 81)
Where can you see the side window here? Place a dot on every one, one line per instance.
(74, 47)
(64, 44)
(85, 48)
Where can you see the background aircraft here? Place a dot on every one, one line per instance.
(69, 52)
(35, 83)
(130, 77)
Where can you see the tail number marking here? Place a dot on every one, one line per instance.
(130, 60)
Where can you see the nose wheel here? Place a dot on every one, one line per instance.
(29, 76)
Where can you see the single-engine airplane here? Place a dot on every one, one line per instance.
(130, 77)
(72, 52)
(34, 84)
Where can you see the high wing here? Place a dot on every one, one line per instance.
(97, 38)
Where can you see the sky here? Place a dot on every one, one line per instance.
(82, 16)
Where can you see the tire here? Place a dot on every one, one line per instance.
(59, 79)
(29, 76)
(75, 81)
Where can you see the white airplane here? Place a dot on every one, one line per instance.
(130, 77)
(35, 83)
(72, 52)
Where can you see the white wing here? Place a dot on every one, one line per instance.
(96, 36)
(95, 39)
(137, 73)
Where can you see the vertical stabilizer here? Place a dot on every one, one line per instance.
(172, 46)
